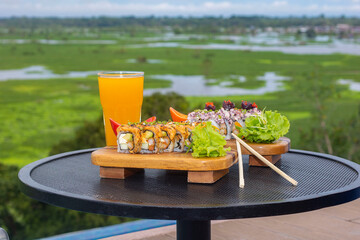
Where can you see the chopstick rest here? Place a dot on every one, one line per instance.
(264, 160)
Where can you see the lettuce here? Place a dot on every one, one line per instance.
(207, 142)
(265, 128)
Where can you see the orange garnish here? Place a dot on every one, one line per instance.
(177, 116)
(209, 104)
(216, 128)
(237, 124)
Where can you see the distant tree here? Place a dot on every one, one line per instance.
(177, 30)
(141, 59)
(133, 25)
(158, 105)
(310, 33)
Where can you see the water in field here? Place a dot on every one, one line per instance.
(335, 47)
(354, 86)
(40, 72)
(56, 42)
(187, 85)
(263, 41)
(152, 61)
(196, 85)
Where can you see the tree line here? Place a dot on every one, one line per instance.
(191, 24)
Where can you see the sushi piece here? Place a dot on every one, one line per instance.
(180, 137)
(236, 124)
(150, 136)
(223, 129)
(128, 139)
(188, 140)
(167, 138)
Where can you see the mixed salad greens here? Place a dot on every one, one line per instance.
(264, 128)
(207, 142)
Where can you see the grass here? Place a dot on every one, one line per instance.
(36, 114)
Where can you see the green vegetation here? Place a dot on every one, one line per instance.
(24, 218)
(37, 114)
(42, 117)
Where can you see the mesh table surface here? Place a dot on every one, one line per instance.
(70, 180)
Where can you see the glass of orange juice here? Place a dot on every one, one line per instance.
(121, 96)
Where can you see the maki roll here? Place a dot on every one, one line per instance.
(167, 138)
(236, 124)
(188, 140)
(128, 139)
(180, 137)
(150, 135)
(223, 129)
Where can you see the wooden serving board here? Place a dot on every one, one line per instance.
(200, 170)
(271, 151)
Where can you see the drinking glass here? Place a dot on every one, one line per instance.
(121, 96)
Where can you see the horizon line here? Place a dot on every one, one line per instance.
(189, 16)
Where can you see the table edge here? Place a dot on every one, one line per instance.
(61, 199)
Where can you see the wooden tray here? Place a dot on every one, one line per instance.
(200, 170)
(271, 151)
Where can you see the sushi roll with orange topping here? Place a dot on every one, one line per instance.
(180, 136)
(167, 138)
(128, 139)
(150, 136)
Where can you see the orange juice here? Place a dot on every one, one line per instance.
(121, 96)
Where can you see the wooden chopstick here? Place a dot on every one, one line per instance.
(241, 170)
(264, 160)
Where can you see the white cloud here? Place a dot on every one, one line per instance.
(184, 8)
(279, 3)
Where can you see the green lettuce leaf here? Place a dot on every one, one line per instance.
(207, 142)
(265, 128)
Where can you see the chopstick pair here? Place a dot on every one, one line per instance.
(264, 160)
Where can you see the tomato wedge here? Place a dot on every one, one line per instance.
(152, 119)
(114, 126)
(177, 116)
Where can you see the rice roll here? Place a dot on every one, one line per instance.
(167, 138)
(223, 129)
(150, 135)
(188, 140)
(236, 124)
(128, 139)
(180, 137)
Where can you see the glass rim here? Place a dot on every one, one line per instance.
(121, 74)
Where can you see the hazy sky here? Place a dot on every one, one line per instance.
(79, 8)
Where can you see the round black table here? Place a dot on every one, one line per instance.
(70, 180)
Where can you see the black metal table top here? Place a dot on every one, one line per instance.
(70, 180)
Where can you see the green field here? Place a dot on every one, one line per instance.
(41, 117)
(36, 114)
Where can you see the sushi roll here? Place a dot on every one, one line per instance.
(188, 140)
(180, 137)
(225, 130)
(236, 124)
(128, 139)
(167, 138)
(150, 136)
